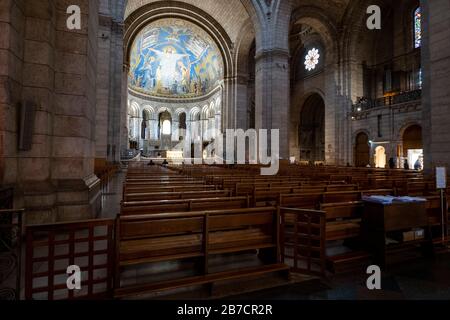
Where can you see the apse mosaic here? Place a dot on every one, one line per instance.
(174, 58)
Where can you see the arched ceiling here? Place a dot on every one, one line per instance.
(230, 14)
(333, 8)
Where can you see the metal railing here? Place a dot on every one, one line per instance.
(364, 104)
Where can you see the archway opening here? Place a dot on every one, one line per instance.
(312, 129)
(380, 157)
(413, 147)
(362, 150)
(175, 64)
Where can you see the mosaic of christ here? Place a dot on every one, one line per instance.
(174, 58)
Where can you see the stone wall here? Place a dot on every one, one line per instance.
(389, 132)
(436, 69)
(53, 68)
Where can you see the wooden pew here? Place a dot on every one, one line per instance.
(169, 188)
(197, 235)
(342, 220)
(182, 205)
(176, 195)
(343, 196)
(300, 201)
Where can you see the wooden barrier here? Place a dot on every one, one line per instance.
(57, 246)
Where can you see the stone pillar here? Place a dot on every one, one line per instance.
(242, 102)
(272, 94)
(12, 30)
(153, 129)
(228, 102)
(124, 127)
(436, 70)
(73, 148)
(175, 130)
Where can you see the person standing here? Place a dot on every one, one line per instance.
(391, 163)
(406, 164)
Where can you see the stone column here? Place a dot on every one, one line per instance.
(153, 129)
(175, 130)
(73, 148)
(242, 102)
(436, 70)
(272, 94)
(124, 129)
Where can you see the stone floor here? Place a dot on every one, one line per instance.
(425, 279)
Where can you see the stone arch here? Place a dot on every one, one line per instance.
(311, 129)
(323, 24)
(150, 12)
(194, 113)
(134, 109)
(411, 137)
(150, 110)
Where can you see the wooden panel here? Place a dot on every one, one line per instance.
(240, 220)
(344, 210)
(153, 228)
(335, 197)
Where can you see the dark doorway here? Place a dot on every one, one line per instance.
(362, 150)
(312, 129)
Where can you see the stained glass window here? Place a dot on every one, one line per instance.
(420, 79)
(312, 59)
(418, 28)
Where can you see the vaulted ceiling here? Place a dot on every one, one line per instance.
(230, 14)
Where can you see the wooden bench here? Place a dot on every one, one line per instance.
(197, 235)
(176, 195)
(343, 220)
(300, 201)
(155, 189)
(182, 205)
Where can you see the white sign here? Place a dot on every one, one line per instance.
(441, 178)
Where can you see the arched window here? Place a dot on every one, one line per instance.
(417, 27)
(167, 127)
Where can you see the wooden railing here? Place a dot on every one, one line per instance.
(302, 238)
(52, 248)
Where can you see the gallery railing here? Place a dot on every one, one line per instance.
(364, 104)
